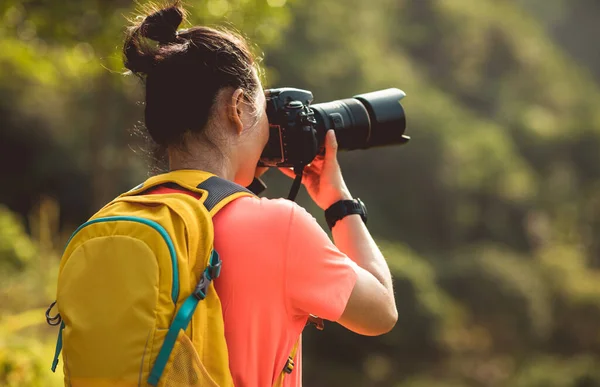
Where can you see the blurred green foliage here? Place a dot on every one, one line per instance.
(16, 248)
(488, 217)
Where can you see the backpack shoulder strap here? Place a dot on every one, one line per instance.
(215, 192)
(220, 192)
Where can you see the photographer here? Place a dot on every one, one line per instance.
(205, 107)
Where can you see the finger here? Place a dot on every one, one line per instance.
(318, 160)
(313, 169)
(331, 146)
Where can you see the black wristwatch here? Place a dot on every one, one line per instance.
(343, 208)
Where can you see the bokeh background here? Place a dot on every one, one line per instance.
(489, 216)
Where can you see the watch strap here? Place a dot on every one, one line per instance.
(342, 208)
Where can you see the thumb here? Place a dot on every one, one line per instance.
(331, 146)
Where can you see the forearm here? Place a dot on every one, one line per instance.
(353, 239)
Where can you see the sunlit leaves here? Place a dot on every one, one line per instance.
(16, 248)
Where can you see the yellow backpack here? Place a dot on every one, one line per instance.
(135, 296)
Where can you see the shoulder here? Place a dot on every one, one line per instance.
(247, 205)
(276, 215)
(257, 211)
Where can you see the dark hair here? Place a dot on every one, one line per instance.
(184, 70)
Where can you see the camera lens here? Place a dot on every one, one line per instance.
(365, 121)
(348, 117)
(297, 128)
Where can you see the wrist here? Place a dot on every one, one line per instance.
(344, 208)
(342, 224)
(341, 195)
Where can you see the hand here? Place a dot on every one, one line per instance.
(323, 177)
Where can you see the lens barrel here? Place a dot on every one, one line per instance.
(348, 117)
(365, 121)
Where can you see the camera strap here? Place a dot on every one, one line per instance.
(297, 183)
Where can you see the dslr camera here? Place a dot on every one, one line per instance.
(297, 128)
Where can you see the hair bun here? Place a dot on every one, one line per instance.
(162, 25)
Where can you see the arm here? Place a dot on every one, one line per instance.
(371, 308)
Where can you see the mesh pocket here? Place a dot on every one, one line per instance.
(184, 368)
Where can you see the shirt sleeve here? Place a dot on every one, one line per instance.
(319, 277)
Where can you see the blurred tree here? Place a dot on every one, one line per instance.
(62, 60)
(504, 150)
(573, 25)
(490, 213)
(16, 248)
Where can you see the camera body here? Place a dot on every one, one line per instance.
(292, 128)
(297, 129)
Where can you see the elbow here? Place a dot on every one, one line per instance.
(390, 317)
(385, 323)
(390, 321)
(393, 318)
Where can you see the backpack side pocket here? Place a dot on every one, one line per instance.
(184, 367)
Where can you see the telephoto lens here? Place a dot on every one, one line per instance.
(365, 121)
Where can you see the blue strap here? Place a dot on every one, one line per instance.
(184, 316)
(58, 347)
(182, 319)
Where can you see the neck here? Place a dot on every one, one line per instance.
(203, 158)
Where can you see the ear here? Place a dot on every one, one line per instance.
(235, 110)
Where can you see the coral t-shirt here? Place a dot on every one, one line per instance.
(279, 266)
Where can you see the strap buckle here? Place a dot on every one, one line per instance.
(202, 287)
(214, 271)
(316, 321)
(214, 265)
(289, 366)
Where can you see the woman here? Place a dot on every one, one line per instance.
(206, 108)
